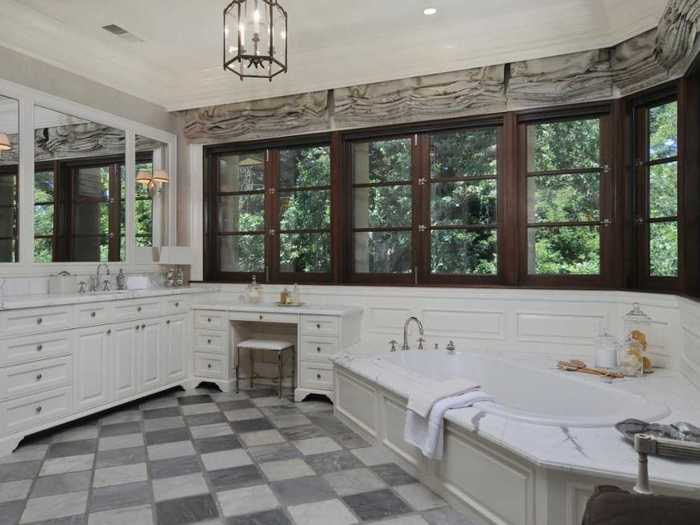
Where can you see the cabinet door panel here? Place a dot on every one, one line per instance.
(92, 368)
(124, 369)
(149, 348)
(174, 350)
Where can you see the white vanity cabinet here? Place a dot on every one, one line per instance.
(59, 363)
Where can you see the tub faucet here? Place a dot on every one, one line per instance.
(405, 333)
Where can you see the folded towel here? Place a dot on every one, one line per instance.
(428, 434)
(423, 399)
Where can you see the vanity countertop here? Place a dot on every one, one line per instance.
(597, 451)
(312, 309)
(40, 301)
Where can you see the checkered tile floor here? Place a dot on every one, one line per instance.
(207, 457)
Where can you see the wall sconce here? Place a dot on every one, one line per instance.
(5, 144)
(154, 181)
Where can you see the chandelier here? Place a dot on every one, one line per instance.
(255, 38)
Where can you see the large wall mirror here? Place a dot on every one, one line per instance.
(152, 192)
(79, 189)
(9, 180)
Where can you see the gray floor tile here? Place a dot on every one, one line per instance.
(141, 515)
(404, 520)
(329, 423)
(122, 416)
(168, 468)
(226, 459)
(350, 440)
(167, 436)
(194, 400)
(303, 490)
(235, 405)
(288, 421)
(205, 419)
(420, 497)
(61, 484)
(251, 425)
(372, 456)
(274, 453)
(376, 505)
(302, 432)
(10, 512)
(261, 438)
(122, 456)
(161, 412)
(236, 477)
(247, 500)
(261, 392)
(120, 429)
(287, 469)
(78, 519)
(14, 490)
(117, 442)
(179, 487)
(19, 471)
(317, 445)
(170, 450)
(119, 496)
(281, 410)
(243, 414)
(25, 453)
(67, 464)
(446, 516)
(76, 433)
(216, 444)
(393, 475)
(270, 517)
(347, 482)
(202, 408)
(159, 402)
(105, 477)
(72, 448)
(186, 510)
(163, 423)
(52, 507)
(214, 430)
(330, 512)
(333, 462)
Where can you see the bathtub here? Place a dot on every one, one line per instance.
(528, 393)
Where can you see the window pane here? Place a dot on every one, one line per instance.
(383, 252)
(242, 253)
(90, 249)
(144, 242)
(43, 250)
(564, 250)
(663, 190)
(304, 167)
(564, 198)
(563, 145)
(43, 219)
(457, 203)
(91, 219)
(8, 250)
(44, 186)
(92, 184)
(8, 222)
(388, 206)
(463, 252)
(382, 161)
(144, 222)
(242, 213)
(244, 172)
(305, 252)
(663, 131)
(305, 210)
(8, 190)
(663, 249)
(465, 153)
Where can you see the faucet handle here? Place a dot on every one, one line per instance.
(421, 340)
(393, 344)
(106, 287)
(82, 288)
(451, 347)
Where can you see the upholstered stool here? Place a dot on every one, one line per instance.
(265, 345)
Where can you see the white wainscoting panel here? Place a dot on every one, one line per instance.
(558, 328)
(465, 323)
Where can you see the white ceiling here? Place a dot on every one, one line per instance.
(332, 43)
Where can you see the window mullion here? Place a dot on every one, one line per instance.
(272, 216)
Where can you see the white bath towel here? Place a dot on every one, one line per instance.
(428, 434)
(423, 399)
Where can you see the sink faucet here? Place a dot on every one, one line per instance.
(405, 333)
(96, 285)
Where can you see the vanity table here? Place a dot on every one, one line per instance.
(318, 331)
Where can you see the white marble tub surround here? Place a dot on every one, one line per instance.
(554, 458)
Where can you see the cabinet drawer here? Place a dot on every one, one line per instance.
(176, 305)
(210, 342)
(33, 348)
(136, 310)
(318, 348)
(316, 375)
(321, 325)
(38, 409)
(206, 365)
(210, 320)
(265, 317)
(99, 313)
(34, 377)
(37, 320)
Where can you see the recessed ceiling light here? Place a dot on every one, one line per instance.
(429, 11)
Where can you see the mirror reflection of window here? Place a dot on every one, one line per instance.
(152, 179)
(79, 189)
(9, 179)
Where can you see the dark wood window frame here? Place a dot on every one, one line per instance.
(638, 108)
(607, 220)
(13, 171)
(271, 220)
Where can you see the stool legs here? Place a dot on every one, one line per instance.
(238, 366)
(279, 365)
(252, 367)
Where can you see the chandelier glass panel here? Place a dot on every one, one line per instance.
(255, 38)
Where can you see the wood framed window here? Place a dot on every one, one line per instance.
(566, 199)
(144, 206)
(269, 211)
(9, 198)
(657, 197)
(46, 195)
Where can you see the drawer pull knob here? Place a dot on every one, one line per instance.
(166, 322)
(261, 317)
(318, 325)
(39, 320)
(137, 327)
(139, 309)
(39, 377)
(39, 348)
(209, 365)
(209, 320)
(177, 305)
(208, 341)
(38, 409)
(318, 376)
(318, 349)
(92, 314)
(109, 332)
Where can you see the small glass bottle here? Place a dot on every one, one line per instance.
(296, 294)
(606, 351)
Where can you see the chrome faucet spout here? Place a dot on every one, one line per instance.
(405, 333)
(97, 276)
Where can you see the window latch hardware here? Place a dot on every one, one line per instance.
(272, 191)
(606, 222)
(272, 232)
(606, 168)
(422, 181)
(422, 228)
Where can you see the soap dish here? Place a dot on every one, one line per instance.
(681, 430)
